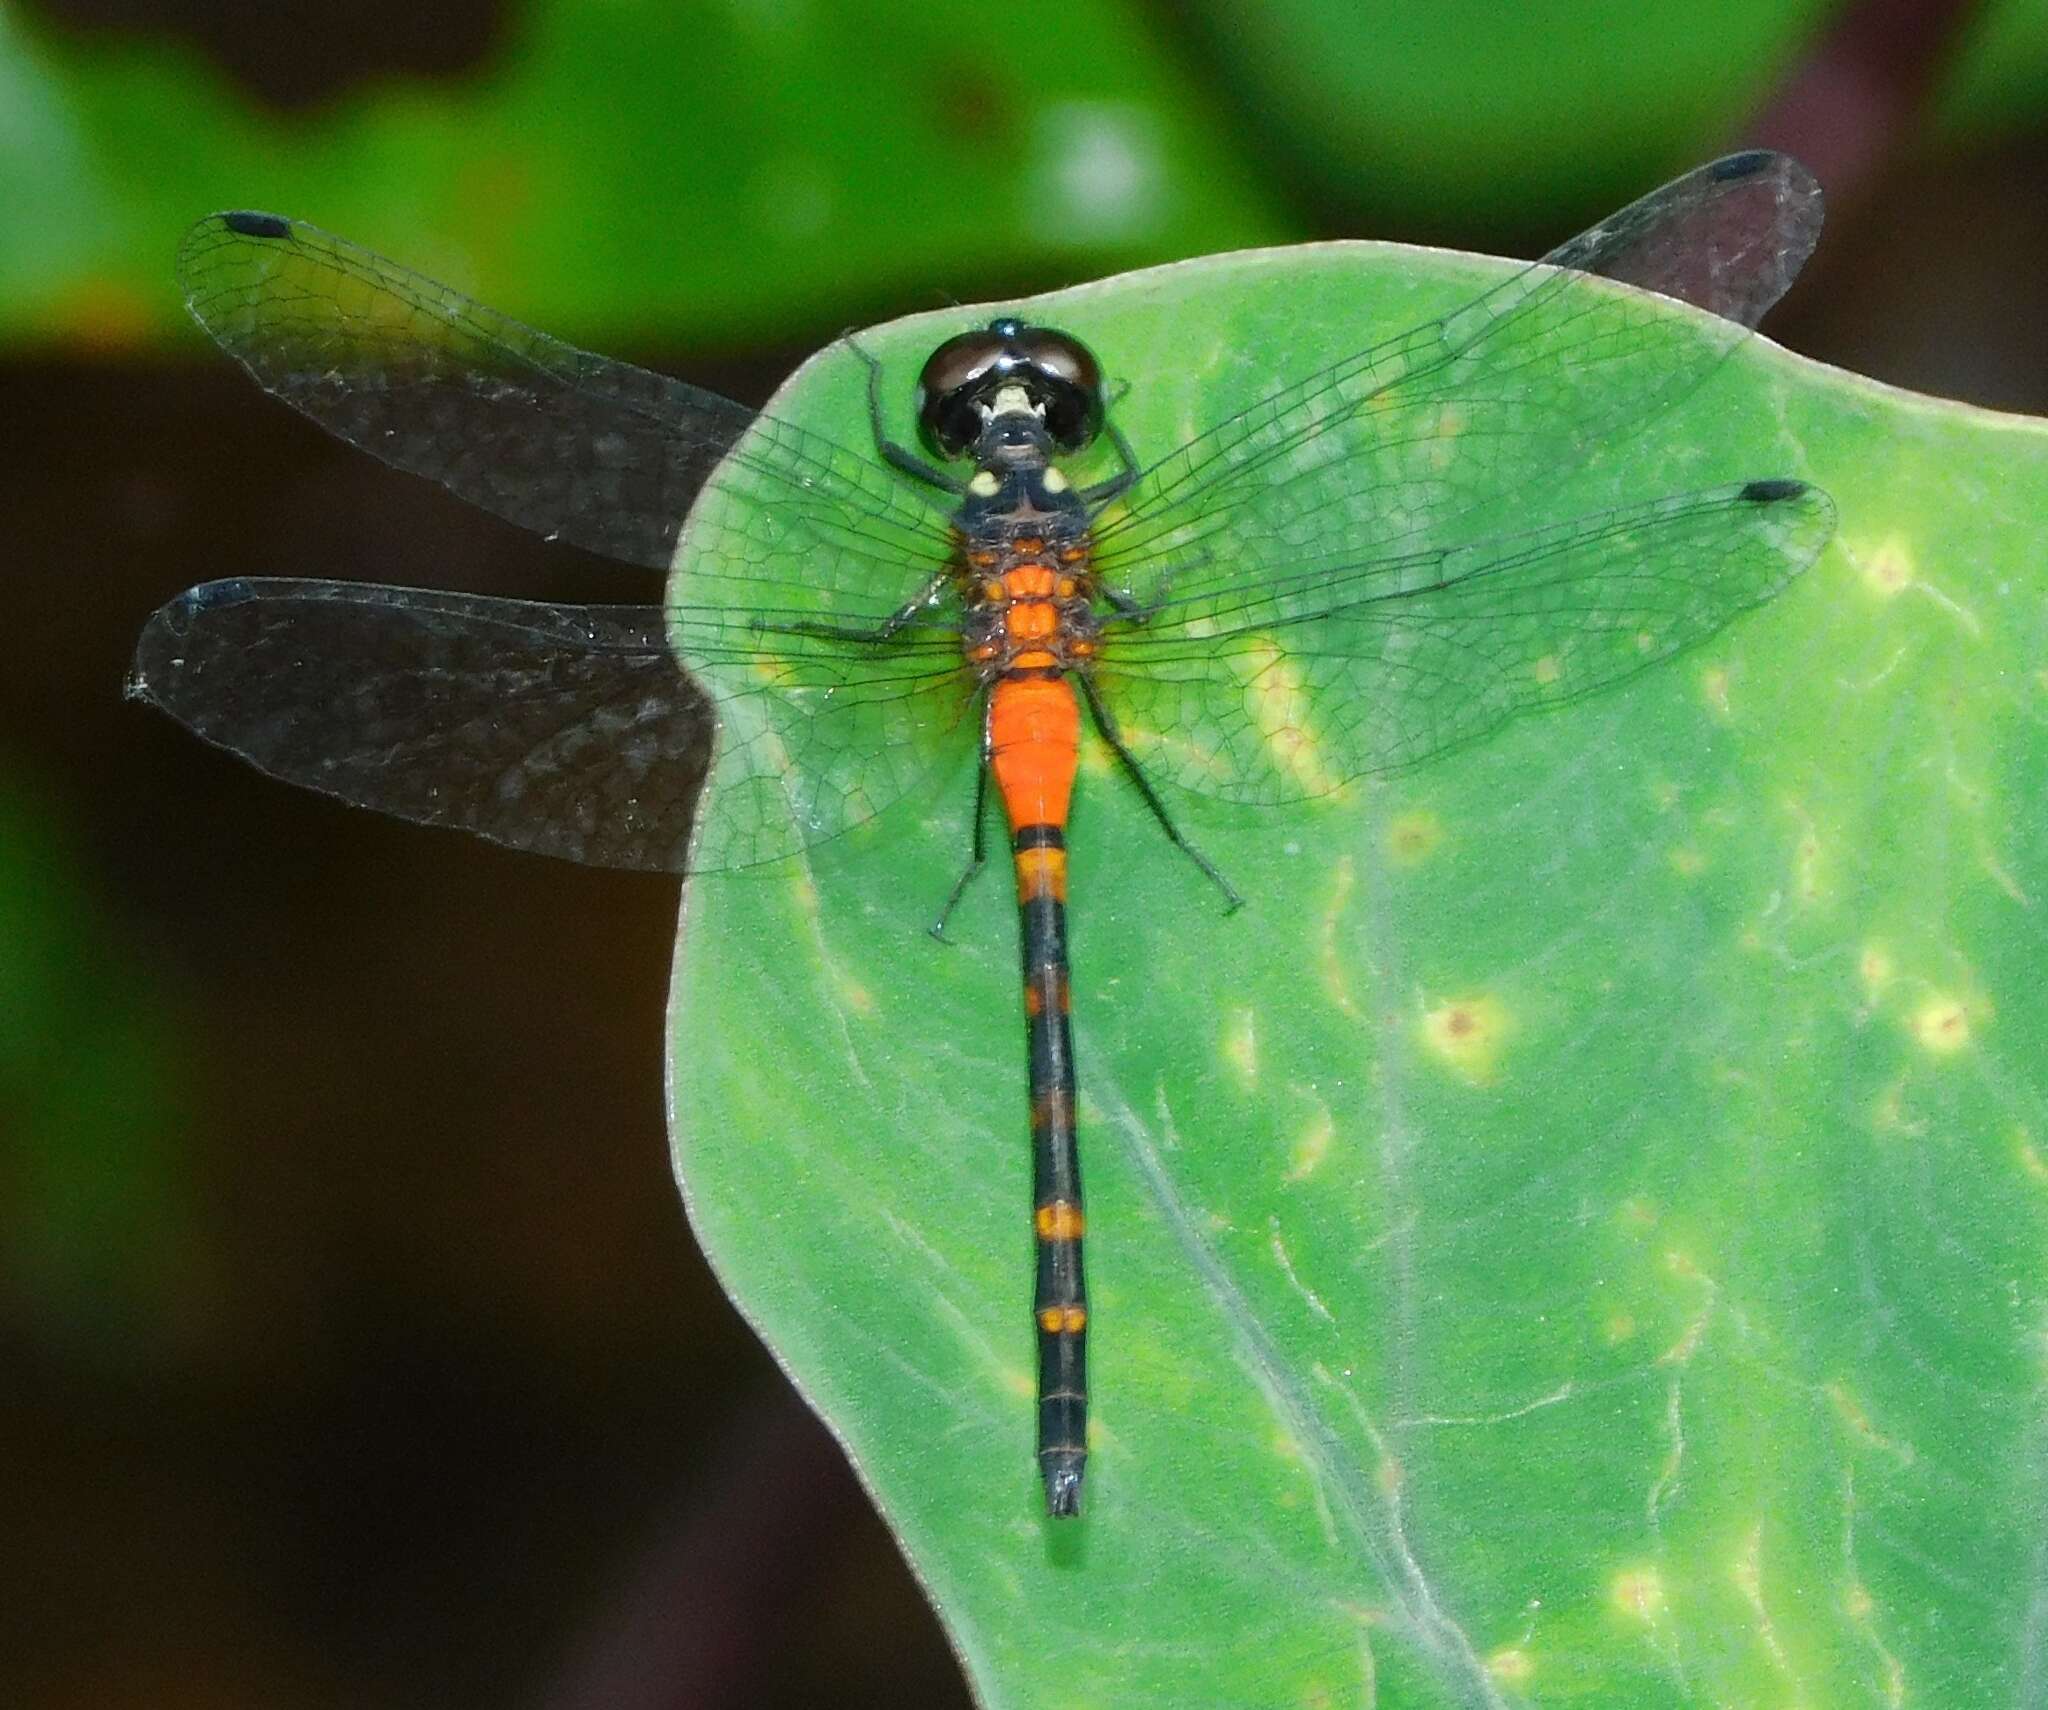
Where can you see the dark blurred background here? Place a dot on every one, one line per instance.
(356, 1352)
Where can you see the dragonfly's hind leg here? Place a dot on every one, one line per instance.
(899, 456)
(978, 857)
(904, 615)
(1107, 727)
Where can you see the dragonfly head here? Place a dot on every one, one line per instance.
(1023, 384)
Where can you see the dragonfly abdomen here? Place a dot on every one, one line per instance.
(1034, 747)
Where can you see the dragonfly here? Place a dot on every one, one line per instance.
(843, 618)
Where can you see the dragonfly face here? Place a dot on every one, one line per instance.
(1003, 369)
(1346, 573)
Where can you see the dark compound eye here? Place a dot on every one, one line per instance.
(1057, 371)
(954, 377)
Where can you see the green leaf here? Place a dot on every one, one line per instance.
(1577, 1236)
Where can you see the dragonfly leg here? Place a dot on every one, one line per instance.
(1106, 726)
(907, 613)
(898, 456)
(1137, 611)
(1122, 481)
(978, 856)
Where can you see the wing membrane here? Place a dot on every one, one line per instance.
(1406, 442)
(1291, 688)
(564, 730)
(573, 445)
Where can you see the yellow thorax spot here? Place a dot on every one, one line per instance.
(984, 485)
(1063, 1320)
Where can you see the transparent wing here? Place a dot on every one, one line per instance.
(817, 733)
(1404, 443)
(1291, 686)
(565, 730)
(573, 445)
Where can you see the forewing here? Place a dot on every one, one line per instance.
(1410, 442)
(573, 445)
(1293, 686)
(564, 730)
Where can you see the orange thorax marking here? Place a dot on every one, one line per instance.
(1034, 748)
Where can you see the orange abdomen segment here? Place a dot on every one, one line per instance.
(1035, 745)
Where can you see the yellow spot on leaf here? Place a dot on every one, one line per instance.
(1850, 1411)
(1329, 962)
(1941, 1025)
(1636, 1213)
(1511, 1665)
(1241, 1046)
(1747, 1570)
(1311, 1148)
(1466, 1034)
(2030, 1157)
(1282, 712)
(1548, 669)
(1413, 837)
(1638, 1593)
(1688, 863)
(1620, 1326)
(1714, 684)
(1806, 866)
(1888, 570)
(1889, 1116)
(1877, 968)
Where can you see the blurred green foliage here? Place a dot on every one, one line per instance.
(1506, 113)
(738, 173)
(723, 172)
(95, 1220)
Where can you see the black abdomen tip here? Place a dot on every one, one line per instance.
(257, 225)
(1744, 165)
(1772, 492)
(1063, 1485)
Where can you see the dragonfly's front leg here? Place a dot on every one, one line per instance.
(1114, 486)
(899, 456)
